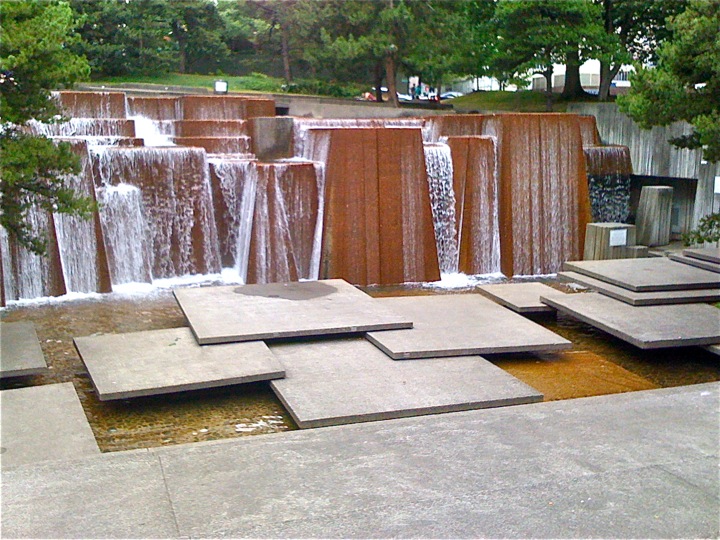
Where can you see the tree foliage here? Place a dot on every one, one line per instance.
(35, 58)
(685, 85)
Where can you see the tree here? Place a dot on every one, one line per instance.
(535, 34)
(197, 28)
(639, 28)
(686, 83)
(34, 58)
(127, 38)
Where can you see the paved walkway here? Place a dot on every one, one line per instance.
(642, 464)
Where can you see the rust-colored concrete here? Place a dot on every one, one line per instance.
(177, 203)
(224, 107)
(475, 178)
(217, 145)
(210, 128)
(284, 222)
(258, 107)
(588, 130)
(378, 219)
(608, 160)
(457, 125)
(157, 108)
(544, 201)
(93, 104)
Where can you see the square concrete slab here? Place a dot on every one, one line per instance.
(460, 324)
(697, 262)
(650, 298)
(347, 380)
(279, 310)
(20, 352)
(164, 361)
(41, 423)
(706, 254)
(520, 297)
(647, 327)
(649, 274)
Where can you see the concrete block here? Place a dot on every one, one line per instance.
(697, 262)
(164, 361)
(20, 352)
(650, 298)
(649, 274)
(272, 137)
(520, 297)
(607, 240)
(346, 381)
(117, 495)
(461, 324)
(281, 310)
(41, 423)
(654, 215)
(706, 254)
(647, 327)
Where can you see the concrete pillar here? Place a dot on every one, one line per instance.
(611, 241)
(654, 215)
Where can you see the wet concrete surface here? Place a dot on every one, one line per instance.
(598, 364)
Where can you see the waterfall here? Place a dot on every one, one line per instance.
(154, 132)
(235, 186)
(439, 166)
(126, 233)
(25, 275)
(609, 169)
(176, 192)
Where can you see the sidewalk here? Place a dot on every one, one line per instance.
(642, 464)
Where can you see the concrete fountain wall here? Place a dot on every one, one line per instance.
(222, 183)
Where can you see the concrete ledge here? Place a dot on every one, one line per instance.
(163, 361)
(520, 297)
(461, 324)
(706, 254)
(651, 298)
(697, 262)
(647, 327)
(647, 274)
(42, 423)
(282, 310)
(20, 352)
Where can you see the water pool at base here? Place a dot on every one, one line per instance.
(598, 364)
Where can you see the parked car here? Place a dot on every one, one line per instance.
(451, 95)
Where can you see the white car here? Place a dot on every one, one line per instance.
(450, 95)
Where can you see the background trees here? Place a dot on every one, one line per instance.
(686, 83)
(34, 58)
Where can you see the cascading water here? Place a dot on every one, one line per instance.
(154, 132)
(439, 167)
(126, 233)
(175, 185)
(234, 190)
(609, 169)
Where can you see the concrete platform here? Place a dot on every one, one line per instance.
(635, 465)
(647, 327)
(706, 254)
(20, 352)
(42, 423)
(520, 297)
(345, 381)
(649, 274)
(650, 298)
(715, 349)
(697, 262)
(164, 361)
(461, 324)
(281, 310)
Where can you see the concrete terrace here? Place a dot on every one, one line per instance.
(640, 464)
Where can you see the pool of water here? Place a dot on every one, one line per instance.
(598, 364)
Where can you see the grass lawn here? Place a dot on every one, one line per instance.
(246, 83)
